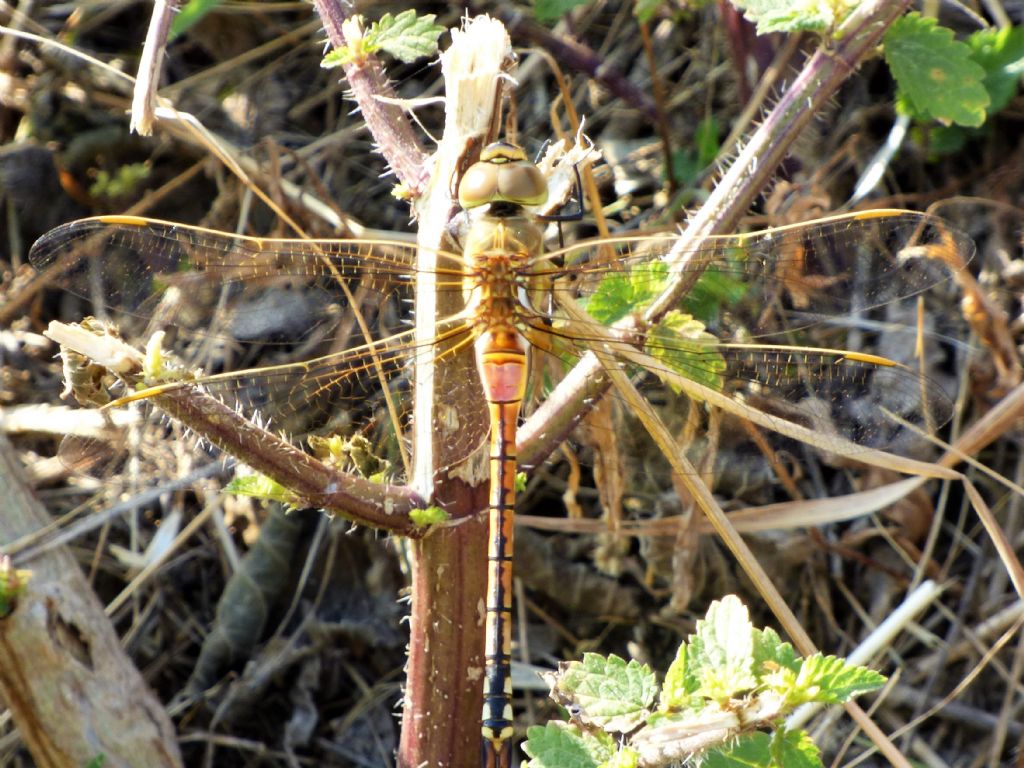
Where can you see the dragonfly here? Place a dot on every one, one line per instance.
(737, 332)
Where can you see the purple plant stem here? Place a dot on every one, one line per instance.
(314, 483)
(389, 125)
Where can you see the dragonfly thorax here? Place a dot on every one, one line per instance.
(497, 251)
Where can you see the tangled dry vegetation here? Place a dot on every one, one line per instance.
(299, 660)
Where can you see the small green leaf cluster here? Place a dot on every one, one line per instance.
(406, 36)
(691, 161)
(351, 454)
(723, 699)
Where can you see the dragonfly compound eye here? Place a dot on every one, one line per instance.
(502, 175)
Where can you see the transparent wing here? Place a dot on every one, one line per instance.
(815, 324)
(243, 309)
(811, 271)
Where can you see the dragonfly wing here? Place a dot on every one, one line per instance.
(243, 309)
(814, 325)
(151, 269)
(794, 276)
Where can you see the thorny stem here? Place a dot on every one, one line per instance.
(390, 127)
(314, 483)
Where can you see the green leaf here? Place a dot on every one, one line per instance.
(714, 290)
(336, 58)
(723, 650)
(789, 16)
(794, 749)
(935, 73)
(706, 139)
(406, 36)
(261, 487)
(684, 346)
(428, 516)
(750, 750)
(550, 11)
(689, 163)
(560, 745)
(620, 293)
(608, 693)
(772, 652)
(190, 15)
(1000, 52)
(681, 683)
(830, 680)
(97, 762)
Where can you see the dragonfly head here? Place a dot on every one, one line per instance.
(502, 175)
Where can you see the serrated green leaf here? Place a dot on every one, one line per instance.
(550, 11)
(794, 749)
(261, 487)
(611, 693)
(750, 750)
(772, 652)
(560, 745)
(935, 72)
(722, 650)
(1000, 52)
(795, 15)
(683, 345)
(830, 680)
(406, 36)
(620, 293)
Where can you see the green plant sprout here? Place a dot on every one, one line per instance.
(406, 36)
(722, 702)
